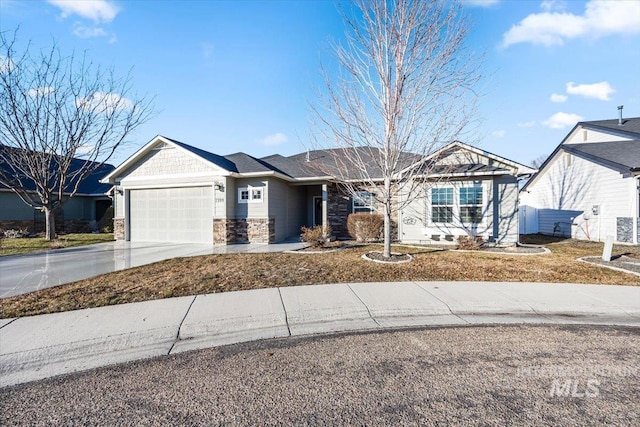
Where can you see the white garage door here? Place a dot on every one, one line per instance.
(172, 215)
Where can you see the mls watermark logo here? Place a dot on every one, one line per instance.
(575, 388)
(579, 382)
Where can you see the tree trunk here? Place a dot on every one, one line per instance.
(386, 253)
(50, 221)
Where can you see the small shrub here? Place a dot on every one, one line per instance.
(106, 222)
(365, 227)
(470, 243)
(315, 236)
(16, 234)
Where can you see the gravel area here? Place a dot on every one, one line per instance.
(471, 376)
(516, 250)
(623, 262)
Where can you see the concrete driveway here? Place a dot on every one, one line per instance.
(21, 274)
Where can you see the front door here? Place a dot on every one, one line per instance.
(317, 210)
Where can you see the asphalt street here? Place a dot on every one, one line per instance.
(567, 375)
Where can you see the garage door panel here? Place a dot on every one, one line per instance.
(172, 215)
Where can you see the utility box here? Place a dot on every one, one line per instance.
(595, 209)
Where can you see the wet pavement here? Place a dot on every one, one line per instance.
(21, 274)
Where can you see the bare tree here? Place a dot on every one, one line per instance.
(538, 161)
(55, 109)
(404, 89)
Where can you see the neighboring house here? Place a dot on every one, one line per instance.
(588, 187)
(89, 204)
(170, 191)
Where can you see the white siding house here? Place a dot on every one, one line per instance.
(588, 187)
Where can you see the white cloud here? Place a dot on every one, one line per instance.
(40, 91)
(95, 10)
(88, 32)
(275, 139)
(553, 5)
(556, 97)
(101, 102)
(562, 120)
(480, 3)
(499, 133)
(529, 124)
(600, 18)
(599, 91)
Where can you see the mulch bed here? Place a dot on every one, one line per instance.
(515, 250)
(394, 258)
(621, 261)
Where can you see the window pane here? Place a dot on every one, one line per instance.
(256, 194)
(362, 202)
(471, 196)
(441, 214)
(471, 215)
(442, 196)
(362, 199)
(244, 195)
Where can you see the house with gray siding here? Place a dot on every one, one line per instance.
(171, 191)
(588, 188)
(89, 204)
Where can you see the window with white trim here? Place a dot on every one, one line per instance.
(442, 205)
(250, 194)
(363, 202)
(471, 205)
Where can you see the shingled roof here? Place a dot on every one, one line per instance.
(89, 186)
(624, 155)
(316, 163)
(630, 126)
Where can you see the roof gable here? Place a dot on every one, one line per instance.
(609, 153)
(154, 159)
(460, 158)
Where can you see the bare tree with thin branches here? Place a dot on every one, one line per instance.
(55, 109)
(404, 89)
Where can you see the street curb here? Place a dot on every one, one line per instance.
(45, 346)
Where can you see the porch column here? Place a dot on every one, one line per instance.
(325, 221)
(127, 215)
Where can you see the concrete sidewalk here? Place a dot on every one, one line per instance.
(37, 347)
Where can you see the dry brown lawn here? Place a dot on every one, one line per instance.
(221, 273)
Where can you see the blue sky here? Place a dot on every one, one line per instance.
(232, 76)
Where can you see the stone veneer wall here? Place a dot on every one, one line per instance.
(223, 231)
(250, 230)
(624, 229)
(118, 228)
(339, 208)
(68, 226)
(76, 226)
(17, 225)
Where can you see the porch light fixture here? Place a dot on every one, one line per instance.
(219, 186)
